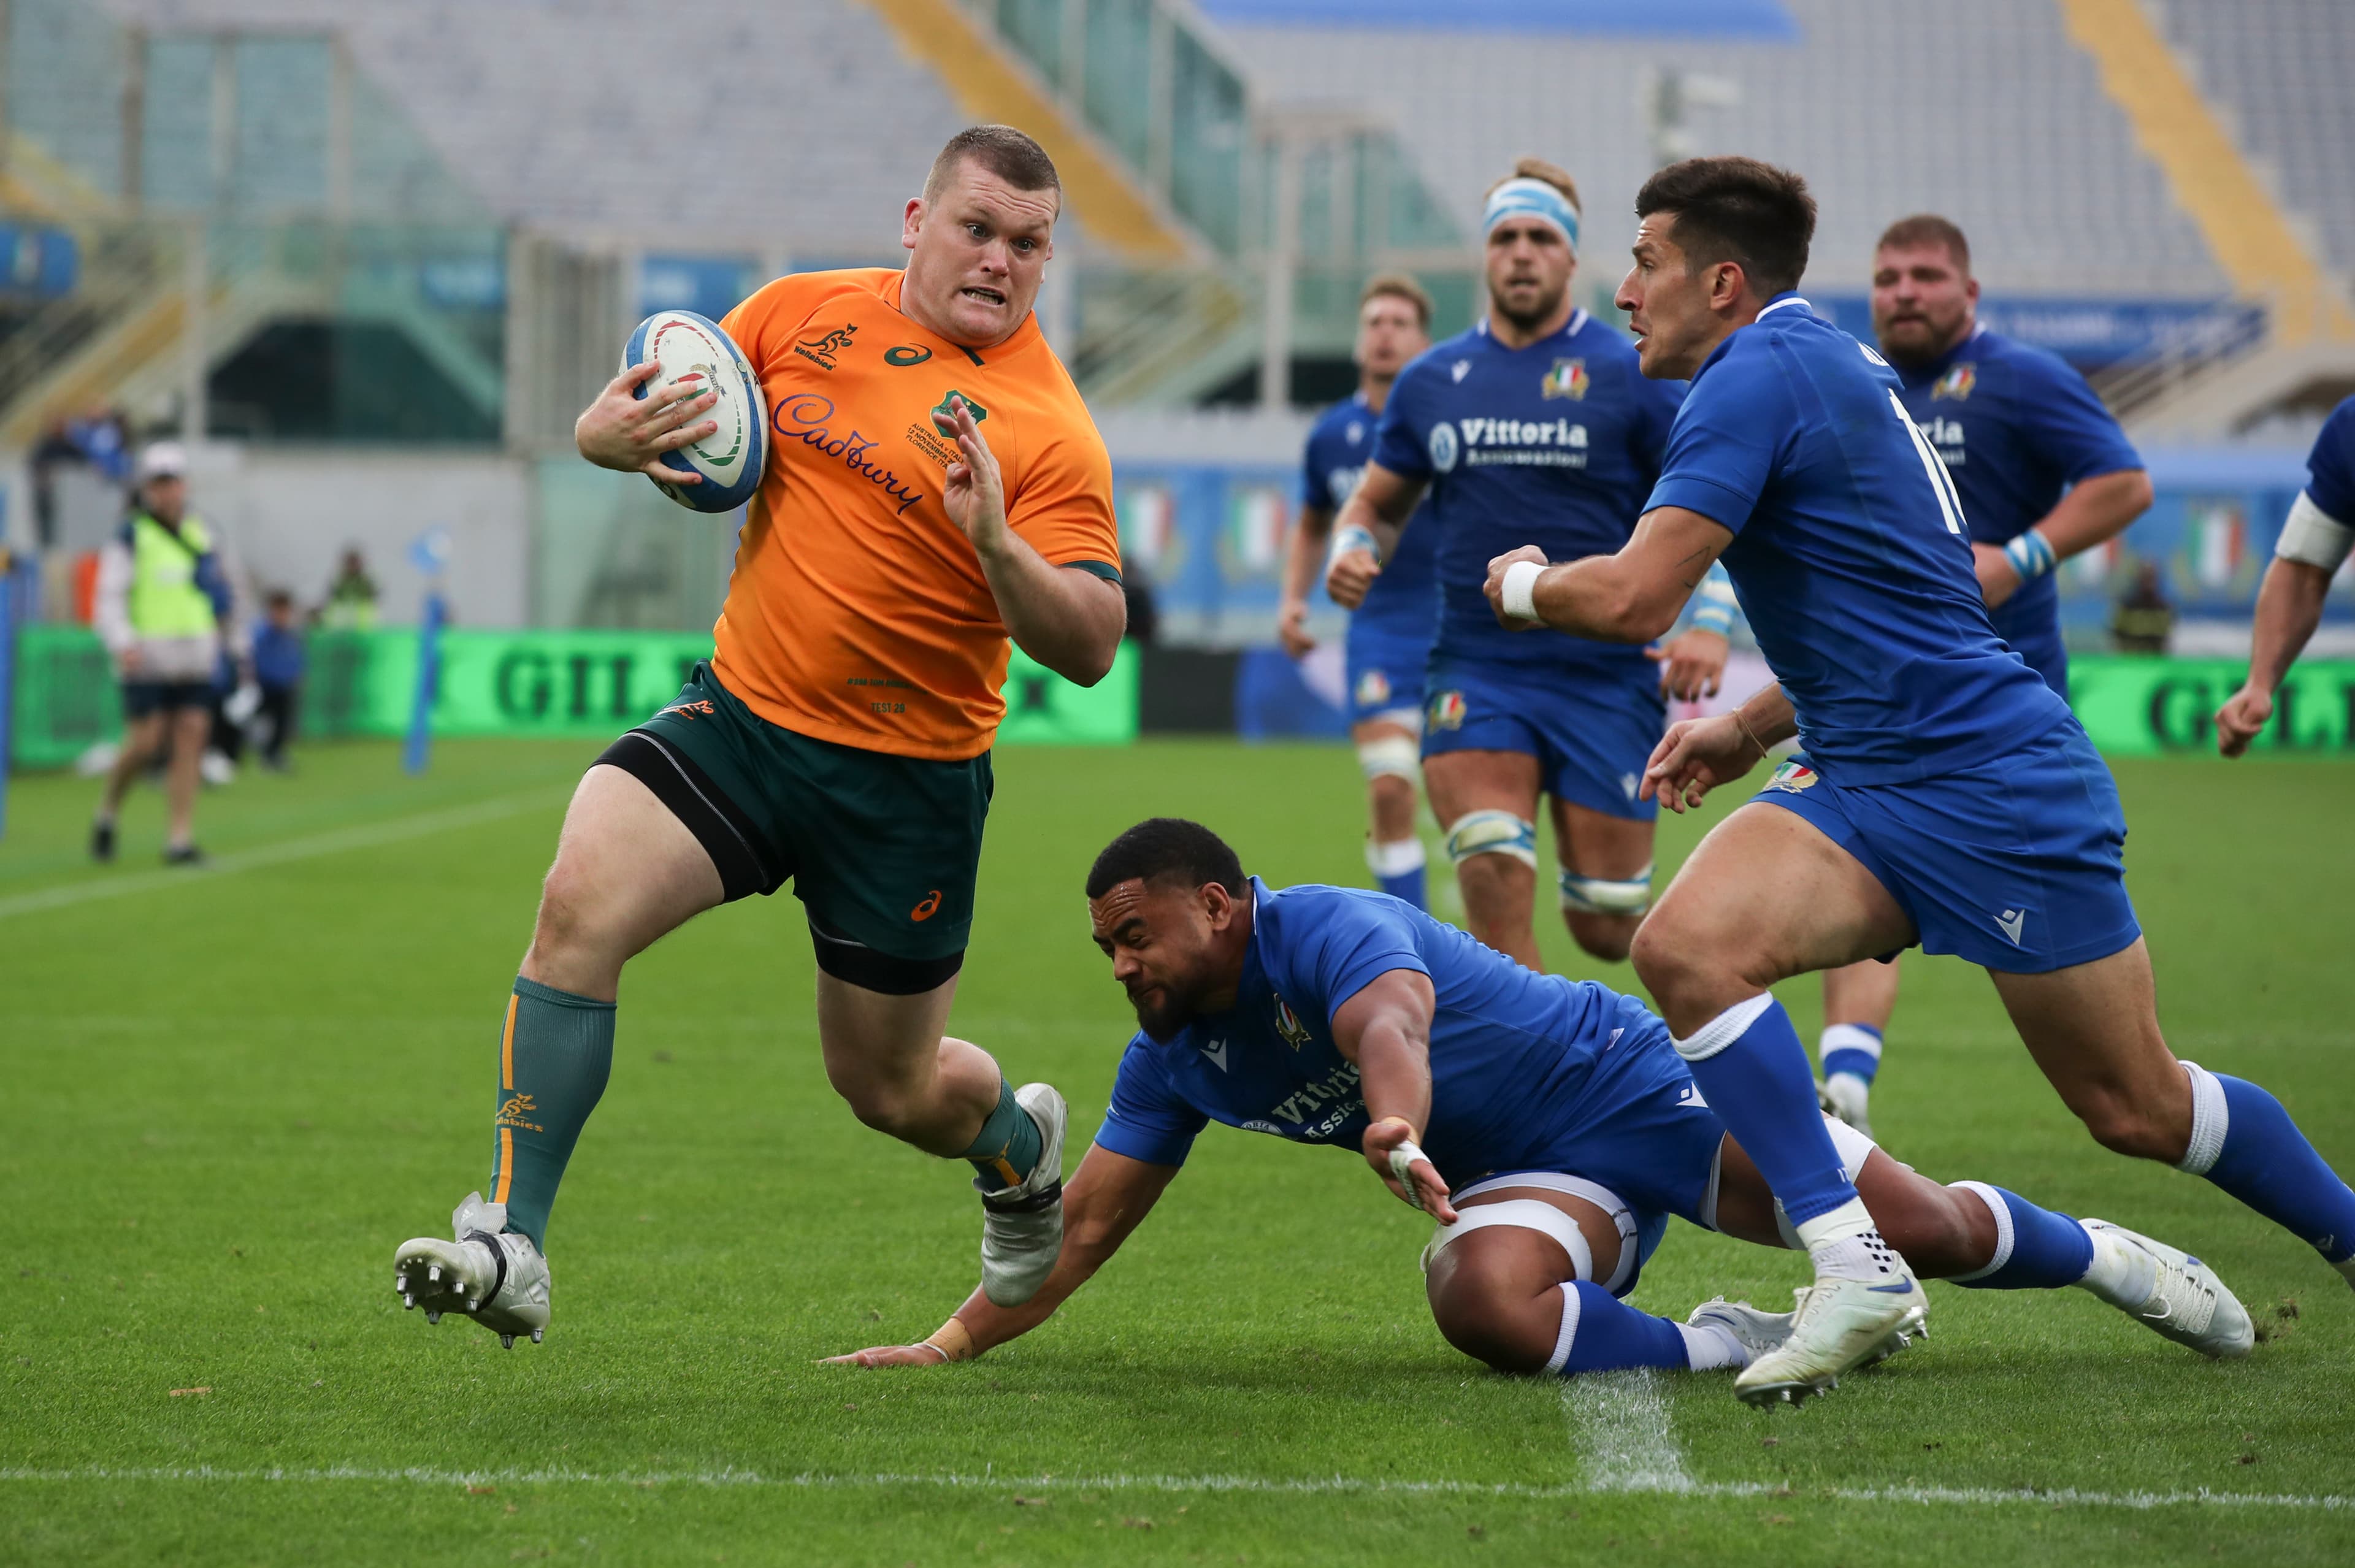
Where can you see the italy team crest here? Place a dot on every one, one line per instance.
(1566, 379)
(1373, 689)
(1446, 710)
(1288, 1025)
(1956, 383)
(1792, 777)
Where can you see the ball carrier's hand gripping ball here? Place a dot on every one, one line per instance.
(693, 351)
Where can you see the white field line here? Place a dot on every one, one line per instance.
(1622, 1430)
(368, 837)
(1312, 1486)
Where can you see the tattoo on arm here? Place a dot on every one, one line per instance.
(1695, 566)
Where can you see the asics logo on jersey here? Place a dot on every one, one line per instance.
(2010, 922)
(513, 1111)
(906, 355)
(806, 417)
(820, 350)
(928, 908)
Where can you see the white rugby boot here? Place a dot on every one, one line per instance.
(1847, 1097)
(1022, 1226)
(485, 1273)
(2169, 1292)
(1757, 1332)
(1839, 1325)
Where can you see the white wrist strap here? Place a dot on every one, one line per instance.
(1520, 590)
(1354, 537)
(1402, 1160)
(2313, 536)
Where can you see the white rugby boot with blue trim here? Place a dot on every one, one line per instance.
(1839, 1325)
(485, 1273)
(2169, 1292)
(1022, 1226)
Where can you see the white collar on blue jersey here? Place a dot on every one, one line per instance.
(1569, 328)
(1784, 302)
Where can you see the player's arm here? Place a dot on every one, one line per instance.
(1105, 1199)
(1693, 665)
(1385, 1029)
(1302, 555)
(2093, 510)
(1633, 596)
(2290, 606)
(1067, 619)
(1698, 754)
(1367, 531)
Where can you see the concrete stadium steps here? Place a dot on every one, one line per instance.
(1983, 111)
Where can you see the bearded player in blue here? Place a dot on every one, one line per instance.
(1536, 424)
(1947, 795)
(1389, 631)
(1352, 1020)
(2043, 473)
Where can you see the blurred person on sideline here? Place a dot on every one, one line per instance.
(277, 663)
(2143, 621)
(162, 609)
(351, 597)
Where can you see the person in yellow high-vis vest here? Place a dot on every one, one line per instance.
(162, 611)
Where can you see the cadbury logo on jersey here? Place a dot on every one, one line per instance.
(807, 418)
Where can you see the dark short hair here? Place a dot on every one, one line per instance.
(1740, 210)
(1167, 849)
(1398, 287)
(278, 598)
(1002, 150)
(1927, 229)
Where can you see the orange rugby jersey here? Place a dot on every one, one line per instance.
(856, 611)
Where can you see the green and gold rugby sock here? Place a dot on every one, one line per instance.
(555, 1055)
(1009, 1145)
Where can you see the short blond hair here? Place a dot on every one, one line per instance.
(1553, 175)
(1398, 287)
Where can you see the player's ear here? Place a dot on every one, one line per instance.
(911, 220)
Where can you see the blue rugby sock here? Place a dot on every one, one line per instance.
(1853, 1049)
(2035, 1249)
(2245, 1142)
(1398, 870)
(1603, 1334)
(1749, 1062)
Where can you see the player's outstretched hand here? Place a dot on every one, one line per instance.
(917, 1355)
(976, 491)
(1692, 666)
(1495, 587)
(1429, 1193)
(2243, 716)
(1291, 629)
(621, 433)
(1694, 757)
(1352, 572)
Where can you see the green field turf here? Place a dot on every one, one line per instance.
(225, 1097)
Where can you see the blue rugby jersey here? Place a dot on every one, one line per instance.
(1510, 1049)
(1555, 445)
(2016, 427)
(2331, 466)
(1849, 554)
(1403, 601)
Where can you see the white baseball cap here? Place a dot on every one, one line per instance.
(163, 460)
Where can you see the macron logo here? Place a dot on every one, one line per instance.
(1461, 369)
(2011, 921)
(1217, 1052)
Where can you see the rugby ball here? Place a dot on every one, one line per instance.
(691, 349)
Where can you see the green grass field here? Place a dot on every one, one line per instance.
(225, 1097)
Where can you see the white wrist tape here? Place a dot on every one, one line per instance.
(2313, 536)
(1520, 590)
(1402, 1160)
(1354, 537)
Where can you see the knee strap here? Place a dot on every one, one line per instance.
(1493, 832)
(1526, 1214)
(1598, 895)
(1391, 756)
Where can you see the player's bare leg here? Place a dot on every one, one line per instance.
(1766, 896)
(2093, 1029)
(1522, 1297)
(1984, 1238)
(1858, 1000)
(888, 1057)
(1488, 802)
(1607, 877)
(1389, 753)
(627, 872)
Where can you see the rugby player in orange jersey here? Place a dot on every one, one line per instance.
(934, 487)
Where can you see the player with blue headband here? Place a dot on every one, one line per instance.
(1536, 418)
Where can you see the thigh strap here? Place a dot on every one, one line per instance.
(1525, 1213)
(1622, 1216)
